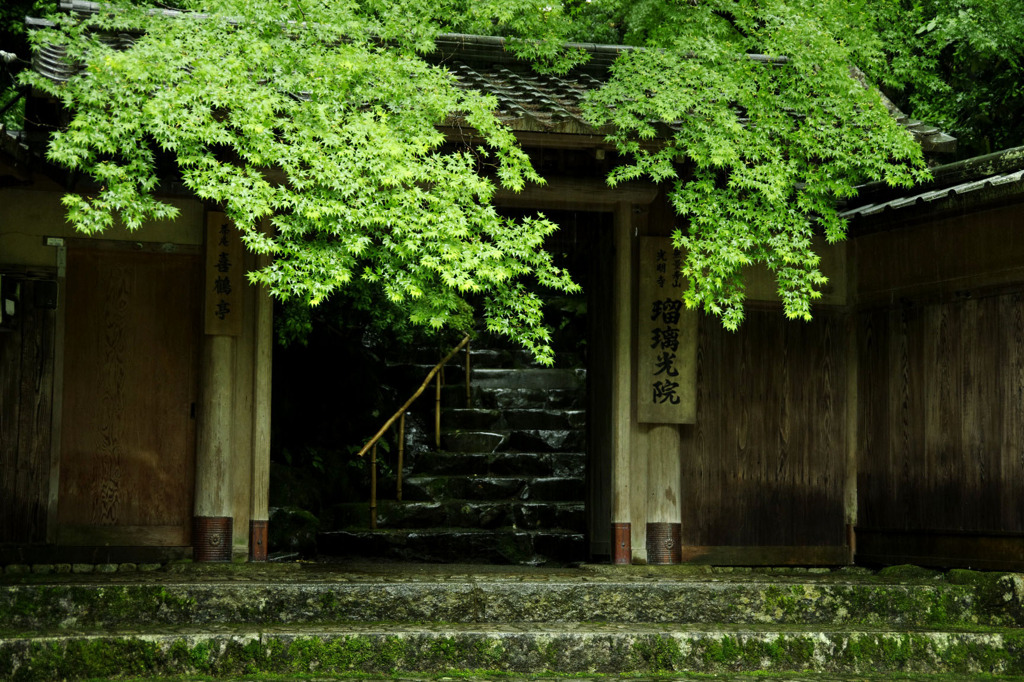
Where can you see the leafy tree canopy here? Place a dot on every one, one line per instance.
(962, 69)
(322, 117)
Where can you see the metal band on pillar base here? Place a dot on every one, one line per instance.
(211, 538)
(622, 545)
(664, 543)
(257, 540)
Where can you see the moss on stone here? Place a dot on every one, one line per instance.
(343, 654)
(84, 658)
(716, 654)
(752, 654)
(453, 655)
(907, 572)
(958, 602)
(445, 653)
(657, 653)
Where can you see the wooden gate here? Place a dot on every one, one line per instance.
(130, 385)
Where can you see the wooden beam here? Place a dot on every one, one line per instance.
(587, 194)
(566, 193)
(954, 549)
(97, 244)
(639, 224)
(548, 140)
(92, 554)
(141, 536)
(621, 365)
(766, 555)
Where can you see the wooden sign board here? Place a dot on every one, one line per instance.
(667, 339)
(224, 277)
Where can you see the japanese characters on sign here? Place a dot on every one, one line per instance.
(667, 338)
(223, 276)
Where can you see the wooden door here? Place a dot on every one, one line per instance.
(130, 382)
(26, 392)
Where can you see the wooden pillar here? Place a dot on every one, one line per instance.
(243, 395)
(622, 395)
(212, 529)
(664, 513)
(666, 386)
(260, 513)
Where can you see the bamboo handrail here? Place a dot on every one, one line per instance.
(400, 414)
(437, 410)
(401, 456)
(415, 395)
(373, 487)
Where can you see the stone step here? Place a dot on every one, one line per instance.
(460, 545)
(514, 398)
(546, 440)
(420, 362)
(496, 377)
(688, 597)
(491, 358)
(529, 378)
(464, 514)
(520, 440)
(422, 488)
(443, 463)
(473, 441)
(387, 650)
(493, 419)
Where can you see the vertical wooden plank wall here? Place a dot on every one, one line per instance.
(621, 370)
(600, 351)
(942, 416)
(763, 468)
(26, 398)
(940, 330)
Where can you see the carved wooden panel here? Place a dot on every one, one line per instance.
(666, 338)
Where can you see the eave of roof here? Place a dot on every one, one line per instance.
(991, 177)
(528, 101)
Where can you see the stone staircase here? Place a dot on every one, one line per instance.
(409, 620)
(507, 484)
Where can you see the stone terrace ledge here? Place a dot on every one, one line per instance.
(399, 621)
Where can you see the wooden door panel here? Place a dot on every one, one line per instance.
(26, 392)
(130, 374)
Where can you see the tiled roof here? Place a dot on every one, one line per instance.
(527, 100)
(1002, 172)
(932, 196)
